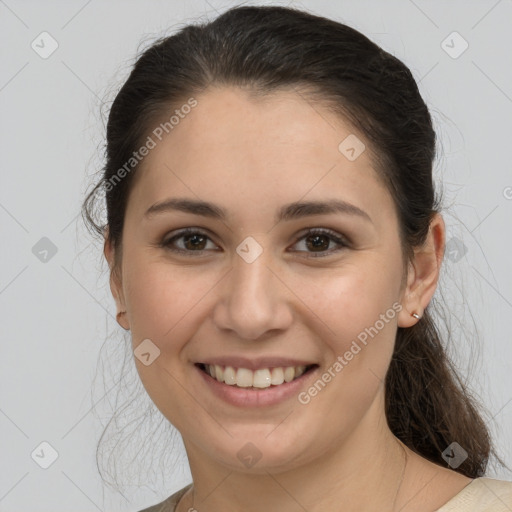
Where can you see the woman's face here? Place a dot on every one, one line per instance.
(253, 290)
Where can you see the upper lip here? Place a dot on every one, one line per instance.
(256, 363)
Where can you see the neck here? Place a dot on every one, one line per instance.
(364, 471)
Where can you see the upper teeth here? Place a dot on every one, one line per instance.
(262, 378)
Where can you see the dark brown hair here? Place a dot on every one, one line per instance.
(265, 49)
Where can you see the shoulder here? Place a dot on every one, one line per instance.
(169, 505)
(482, 495)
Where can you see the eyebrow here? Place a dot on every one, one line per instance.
(290, 211)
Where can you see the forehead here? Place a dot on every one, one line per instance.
(253, 150)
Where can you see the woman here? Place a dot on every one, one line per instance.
(274, 240)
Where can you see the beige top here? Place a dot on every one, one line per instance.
(480, 495)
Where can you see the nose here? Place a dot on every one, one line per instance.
(253, 301)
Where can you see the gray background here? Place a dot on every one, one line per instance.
(56, 309)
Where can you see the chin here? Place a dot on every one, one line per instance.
(259, 449)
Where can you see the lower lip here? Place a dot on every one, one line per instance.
(250, 397)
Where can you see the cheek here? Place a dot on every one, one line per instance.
(352, 301)
(164, 301)
(149, 290)
(358, 308)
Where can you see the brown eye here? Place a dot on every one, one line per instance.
(196, 241)
(193, 240)
(318, 241)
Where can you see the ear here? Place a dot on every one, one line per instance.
(116, 286)
(423, 273)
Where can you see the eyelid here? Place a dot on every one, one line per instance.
(341, 240)
(183, 232)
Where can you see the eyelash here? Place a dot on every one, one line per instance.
(166, 243)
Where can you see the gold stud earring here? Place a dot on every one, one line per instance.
(415, 315)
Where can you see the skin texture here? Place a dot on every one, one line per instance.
(251, 156)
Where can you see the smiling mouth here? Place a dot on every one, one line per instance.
(257, 379)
